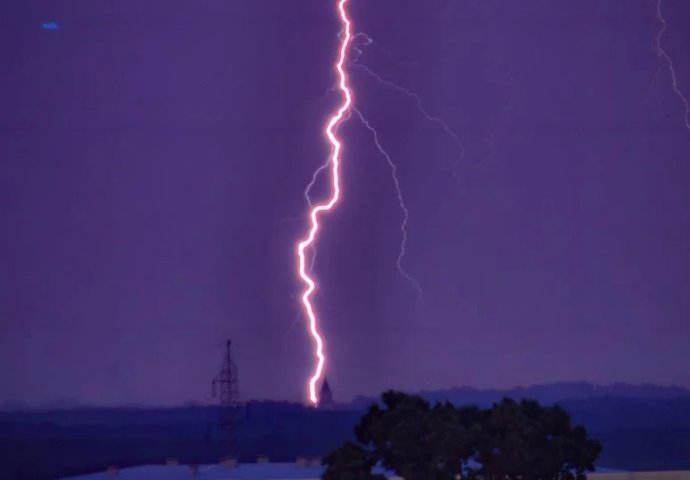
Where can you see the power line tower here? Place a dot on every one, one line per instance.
(225, 387)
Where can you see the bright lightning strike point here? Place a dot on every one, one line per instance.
(401, 202)
(317, 209)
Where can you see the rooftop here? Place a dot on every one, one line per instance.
(287, 471)
(245, 471)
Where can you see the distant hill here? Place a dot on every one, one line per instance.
(548, 393)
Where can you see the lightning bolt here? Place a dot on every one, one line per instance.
(307, 197)
(420, 107)
(315, 210)
(401, 201)
(360, 42)
(366, 40)
(664, 55)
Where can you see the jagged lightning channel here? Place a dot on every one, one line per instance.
(307, 191)
(401, 202)
(669, 61)
(420, 106)
(316, 209)
(361, 40)
(312, 260)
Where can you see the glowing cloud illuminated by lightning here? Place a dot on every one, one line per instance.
(316, 209)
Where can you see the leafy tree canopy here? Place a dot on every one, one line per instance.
(420, 441)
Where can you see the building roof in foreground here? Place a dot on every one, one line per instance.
(248, 471)
(268, 471)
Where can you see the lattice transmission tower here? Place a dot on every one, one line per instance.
(225, 387)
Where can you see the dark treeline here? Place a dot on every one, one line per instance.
(49, 444)
(637, 434)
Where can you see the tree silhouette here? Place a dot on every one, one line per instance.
(415, 440)
(532, 442)
(350, 462)
(510, 440)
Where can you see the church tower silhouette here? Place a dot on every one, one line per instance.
(325, 395)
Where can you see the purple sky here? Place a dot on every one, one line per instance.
(153, 162)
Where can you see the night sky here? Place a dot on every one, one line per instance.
(153, 158)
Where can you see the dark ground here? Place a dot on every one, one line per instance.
(637, 434)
